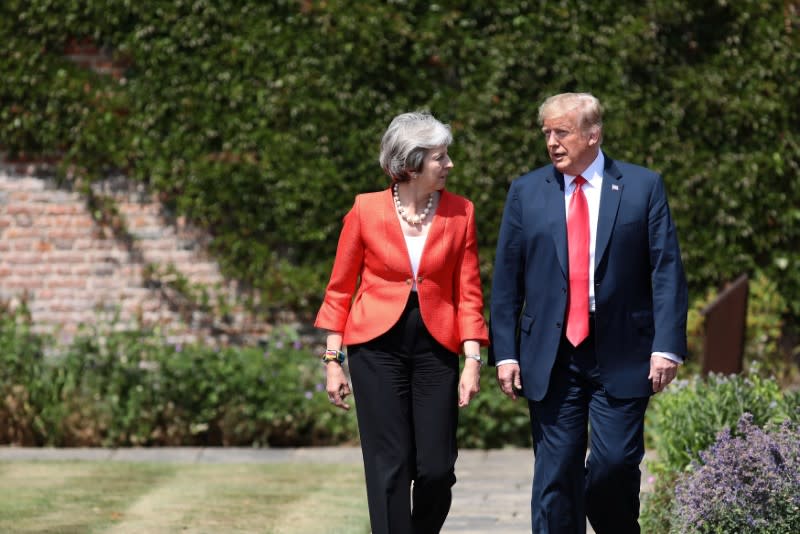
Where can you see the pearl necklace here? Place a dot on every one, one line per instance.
(414, 219)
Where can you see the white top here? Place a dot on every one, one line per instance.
(415, 244)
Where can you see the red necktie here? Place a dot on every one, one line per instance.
(578, 244)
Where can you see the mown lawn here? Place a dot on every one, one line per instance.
(152, 498)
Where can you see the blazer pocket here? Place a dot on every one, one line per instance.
(525, 323)
(630, 225)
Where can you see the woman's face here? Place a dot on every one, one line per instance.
(435, 168)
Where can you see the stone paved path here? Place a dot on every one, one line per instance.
(492, 494)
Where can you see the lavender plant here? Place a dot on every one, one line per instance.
(747, 481)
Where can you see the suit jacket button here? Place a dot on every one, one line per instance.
(558, 325)
(419, 279)
(408, 281)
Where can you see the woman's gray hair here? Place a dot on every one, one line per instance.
(406, 141)
(590, 111)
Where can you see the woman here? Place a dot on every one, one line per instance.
(418, 304)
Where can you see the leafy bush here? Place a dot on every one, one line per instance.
(684, 420)
(261, 120)
(133, 388)
(766, 312)
(748, 482)
(21, 386)
(492, 420)
(122, 388)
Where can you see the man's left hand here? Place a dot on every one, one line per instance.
(662, 372)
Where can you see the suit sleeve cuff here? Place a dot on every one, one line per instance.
(670, 356)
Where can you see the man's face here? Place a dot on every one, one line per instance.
(571, 150)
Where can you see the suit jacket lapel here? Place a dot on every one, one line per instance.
(395, 252)
(433, 251)
(609, 205)
(557, 217)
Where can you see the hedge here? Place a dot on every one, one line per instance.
(261, 120)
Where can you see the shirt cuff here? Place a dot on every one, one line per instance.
(507, 360)
(670, 356)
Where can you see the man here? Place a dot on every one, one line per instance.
(588, 318)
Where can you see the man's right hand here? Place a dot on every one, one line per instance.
(509, 378)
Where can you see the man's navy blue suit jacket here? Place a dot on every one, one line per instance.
(639, 284)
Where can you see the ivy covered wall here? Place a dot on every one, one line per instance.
(261, 120)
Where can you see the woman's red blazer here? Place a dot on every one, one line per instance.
(372, 249)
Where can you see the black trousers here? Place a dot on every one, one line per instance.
(405, 387)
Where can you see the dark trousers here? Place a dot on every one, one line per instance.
(568, 487)
(405, 388)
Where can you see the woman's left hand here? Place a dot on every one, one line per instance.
(470, 383)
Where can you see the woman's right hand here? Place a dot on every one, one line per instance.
(336, 384)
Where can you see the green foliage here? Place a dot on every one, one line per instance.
(21, 368)
(133, 388)
(767, 308)
(744, 483)
(685, 420)
(261, 120)
(122, 388)
(492, 420)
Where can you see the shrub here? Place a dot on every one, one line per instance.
(684, 420)
(260, 120)
(134, 388)
(492, 420)
(21, 385)
(748, 482)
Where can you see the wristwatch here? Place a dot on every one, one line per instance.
(333, 355)
(476, 357)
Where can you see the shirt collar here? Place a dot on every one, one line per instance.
(593, 173)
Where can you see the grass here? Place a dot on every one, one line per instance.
(153, 498)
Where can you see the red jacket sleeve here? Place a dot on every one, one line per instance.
(347, 267)
(468, 293)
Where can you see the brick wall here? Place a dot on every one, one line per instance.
(88, 55)
(71, 270)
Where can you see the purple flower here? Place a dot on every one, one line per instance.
(320, 386)
(297, 345)
(308, 395)
(747, 482)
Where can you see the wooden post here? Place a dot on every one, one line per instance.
(725, 329)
